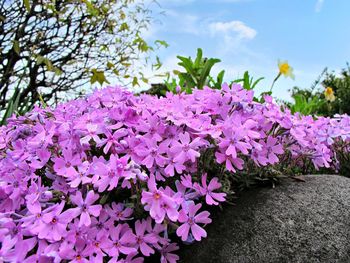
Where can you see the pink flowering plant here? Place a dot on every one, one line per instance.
(116, 177)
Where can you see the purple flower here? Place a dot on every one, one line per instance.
(190, 221)
(211, 197)
(166, 253)
(112, 139)
(65, 165)
(123, 241)
(53, 161)
(110, 173)
(119, 212)
(82, 175)
(186, 149)
(92, 132)
(54, 224)
(151, 153)
(158, 203)
(144, 241)
(86, 207)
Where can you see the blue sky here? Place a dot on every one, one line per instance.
(253, 34)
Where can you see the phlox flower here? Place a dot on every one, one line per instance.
(186, 149)
(86, 207)
(112, 139)
(91, 133)
(211, 197)
(110, 172)
(144, 241)
(54, 224)
(151, 153)
(167, 255)
(190, 221)
(123, 240)
(65, 165)
(158, 202)
(231, 163)
(119, 212)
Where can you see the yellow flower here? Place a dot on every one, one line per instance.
(329, 94)
(285, 69)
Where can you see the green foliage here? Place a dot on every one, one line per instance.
(196, 74)
(306, 105)
(15, 107)
(60, 48)
(313, 101)
(340, 83)
(247, 81)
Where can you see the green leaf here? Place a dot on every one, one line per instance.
(48, 64)
(158, 64)
(27, 4)
(256, 82)
(198, 58)
(16, 47)
(187, 64)
(39, 59)
(246, 81)
(220, 77)
(124, 26)
(135, 82)
(110, 65)
(8, 113)
(104, 198)
(12, 106)
(15, 104)
(98, 76)
(206, 71)
(57, 71)
(162, 43)
(186, 78)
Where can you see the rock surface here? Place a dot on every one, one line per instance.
(294, 222)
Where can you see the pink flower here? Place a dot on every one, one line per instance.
(110, 172)
(54, 224)
(119, 212)
(65, 165)
(211, 198)
(166, 253)
(186, 150)
(112, 139)
(158, 203)
(91, 134)
(231, 163)
(86, 207)
(144, 241)
(123, 241)
(152, 153)
(190, 221)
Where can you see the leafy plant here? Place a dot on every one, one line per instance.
(306, 105)
(314, 99)
(247, 81)
(196, 74)
(60, 47)
(15, 107)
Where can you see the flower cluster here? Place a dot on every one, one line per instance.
(116, 177)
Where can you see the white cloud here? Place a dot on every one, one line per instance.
(238, 27)
(319, 5)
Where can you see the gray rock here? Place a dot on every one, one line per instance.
(294, 222)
